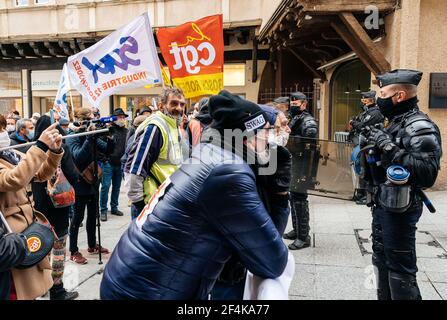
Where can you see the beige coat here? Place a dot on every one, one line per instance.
(36, 281)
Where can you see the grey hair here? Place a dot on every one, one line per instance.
(21, 124)
(164, 96)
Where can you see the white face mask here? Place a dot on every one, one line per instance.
(10, 128)
(280, 139)
(4, 139)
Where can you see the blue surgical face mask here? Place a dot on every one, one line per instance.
(30, 135)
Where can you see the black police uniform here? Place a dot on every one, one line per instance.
(305, 126)
(412, 141)
(370, 116)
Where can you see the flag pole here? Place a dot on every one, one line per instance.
(69, 92)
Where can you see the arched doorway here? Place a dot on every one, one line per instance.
(348, 81)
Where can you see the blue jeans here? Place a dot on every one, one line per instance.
(134, 212)
(111, 175)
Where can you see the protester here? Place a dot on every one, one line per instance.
(145, 111)
(64, 124)
(96, 113)
(35, 117)
(282, 104)
(198, 123)
(17, 170)
(111, 166)
(11, 124)
(13, 247)
(58, 217)
(82, 151)
(156, 152)
(206, 210)
(23, 134)
(13, 250)
(274, 193)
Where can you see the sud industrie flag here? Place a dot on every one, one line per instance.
(127, 58)
(60, 103)
(194, 53)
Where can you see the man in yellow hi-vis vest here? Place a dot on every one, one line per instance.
(156, 152)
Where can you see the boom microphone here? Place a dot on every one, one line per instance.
(102, 121)
(105, 119)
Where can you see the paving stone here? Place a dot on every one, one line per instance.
(333, 228)
(441, 289)
(343, 283)
(339, 257)
(303, 283)
(437, 276)
(428, 292)
(432, 264)
(335, 241)
(295, 297)
(304, 256)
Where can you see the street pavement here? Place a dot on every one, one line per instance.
(336, 267)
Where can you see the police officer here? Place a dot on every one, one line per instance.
(282, 104)
(303, 125)
(370, 116)
(412, 141)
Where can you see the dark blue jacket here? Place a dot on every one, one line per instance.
(210, 209)
(82, 150)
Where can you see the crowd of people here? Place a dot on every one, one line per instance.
(203, 209)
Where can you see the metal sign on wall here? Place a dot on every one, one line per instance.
(438, 90)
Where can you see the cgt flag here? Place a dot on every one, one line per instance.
(60, 103)
(127, 58)
(194, 53)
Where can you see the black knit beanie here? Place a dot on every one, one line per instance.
(230, 111)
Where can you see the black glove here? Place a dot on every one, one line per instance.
(379, 138)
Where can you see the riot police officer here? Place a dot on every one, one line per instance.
(370, 116)
(302, 125)
(412, 142)
(282, 104)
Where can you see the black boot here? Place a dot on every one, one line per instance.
(291, 235)
(360, 197)
(301, 225)
(404, 286)
(383, 286)
(58, 292)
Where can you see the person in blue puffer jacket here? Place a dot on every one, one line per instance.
(207, 211)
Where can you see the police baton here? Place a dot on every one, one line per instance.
(426, 200)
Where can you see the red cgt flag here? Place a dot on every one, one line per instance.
(194, 53)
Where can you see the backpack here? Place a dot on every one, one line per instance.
(60, 191)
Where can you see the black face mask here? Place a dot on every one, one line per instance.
(390, 110)
(295, 111)
(386, 105)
